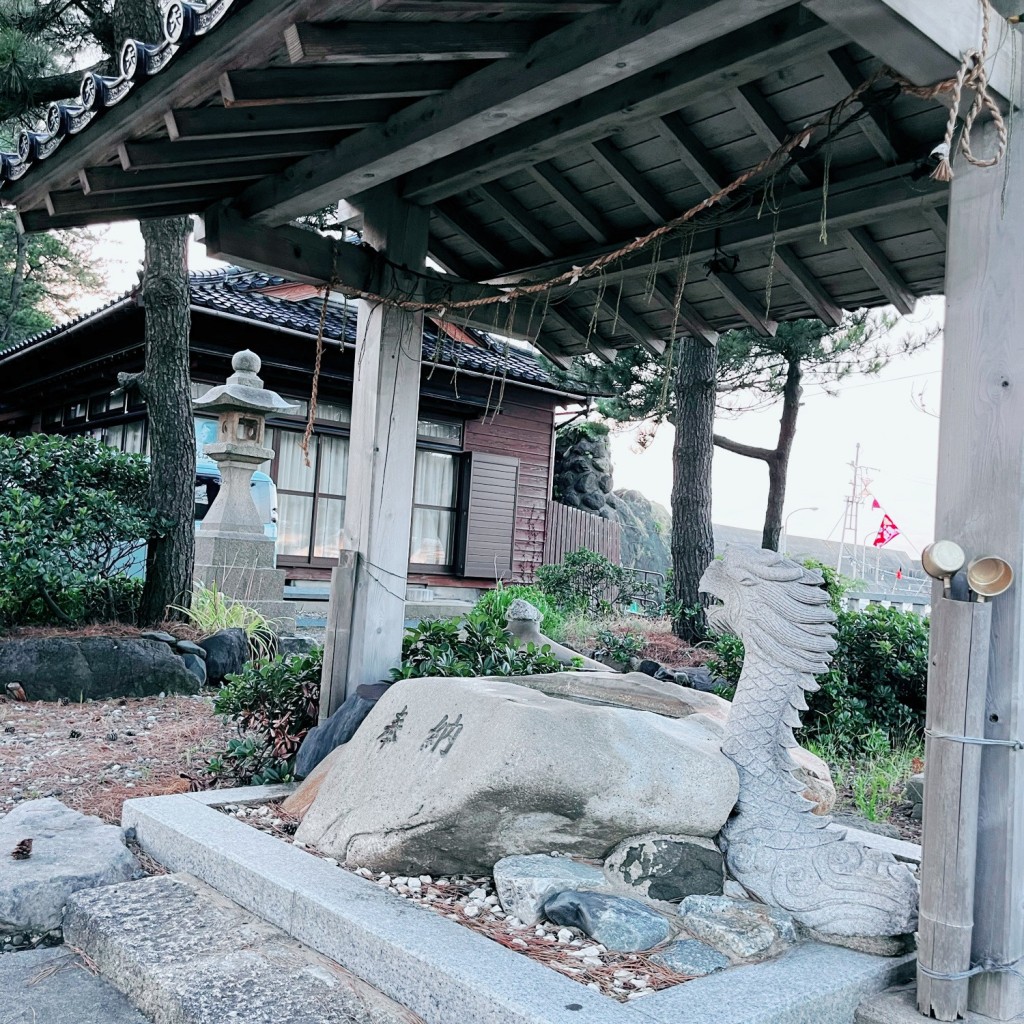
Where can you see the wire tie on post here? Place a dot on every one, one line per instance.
(978, 741)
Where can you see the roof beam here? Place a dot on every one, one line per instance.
(580, 59)
(268, 86)
(439, 8)
(316, 259)
(363, 42)
(936, 219)
(922, 40)
(42, 220)
(137, 156)
(744, 55)
(807, 286)
(631, 181)
(256, 24)
(191, 197)
(455, 217)
(97, 180)
(581, 334)
(851, 203)
(743, 302)
(879, 268)
(688, 316)
(842, 69)
(519, 217)
(572, 201)
(766, 124)
(635, 326)
(706, 168)
(237, 122)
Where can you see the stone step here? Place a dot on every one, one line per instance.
(184, 954)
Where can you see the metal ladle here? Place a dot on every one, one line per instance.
(989, 576)
(942, 559)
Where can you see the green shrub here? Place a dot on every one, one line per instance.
(450, 647)
(619, 647)
(494, 604)
(586, 581)
(73, 512)
(273, 705)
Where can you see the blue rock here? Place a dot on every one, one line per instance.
(690, 957)
(195, 665)
(188, 647)
(338, 729)
(618, 923)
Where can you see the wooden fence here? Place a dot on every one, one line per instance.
(569, 529)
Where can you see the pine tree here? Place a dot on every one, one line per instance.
(45, 45)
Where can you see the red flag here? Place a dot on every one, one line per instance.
(886, 532)
(874, 503)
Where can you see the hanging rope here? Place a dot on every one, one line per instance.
(316, 376)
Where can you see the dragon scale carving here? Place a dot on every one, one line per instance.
(781, 852)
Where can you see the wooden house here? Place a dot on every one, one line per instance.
(485, 445)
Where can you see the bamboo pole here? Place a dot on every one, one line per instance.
(957, 684)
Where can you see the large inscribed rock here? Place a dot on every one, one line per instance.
(774, 846)
(452, 775)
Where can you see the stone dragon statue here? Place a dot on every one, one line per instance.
(774, 846)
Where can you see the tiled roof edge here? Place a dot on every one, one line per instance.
(183, 23)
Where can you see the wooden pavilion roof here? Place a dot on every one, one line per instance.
(540, 134)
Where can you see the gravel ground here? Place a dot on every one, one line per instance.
(96, 755)
(471, 901)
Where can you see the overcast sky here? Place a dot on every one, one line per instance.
(896, 438)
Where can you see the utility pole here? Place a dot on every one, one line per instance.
(859, 483)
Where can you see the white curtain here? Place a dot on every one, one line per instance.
(431, 541)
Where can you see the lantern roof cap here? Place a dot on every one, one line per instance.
(244, 390)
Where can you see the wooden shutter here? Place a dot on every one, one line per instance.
(488, 509)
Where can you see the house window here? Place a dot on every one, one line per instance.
(125, 437)
(433, 512)
(310, 499)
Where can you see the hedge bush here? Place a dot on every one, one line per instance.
(72, 513)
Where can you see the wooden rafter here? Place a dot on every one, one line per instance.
(584, 338)
(705, 167)
(137, 156)
(461, 8)
(360, 42)
(690, 320)
(807, 286)
(748, 307)
(640, 191)
(766, 124)
(519, 217)
(270, 86)
(458, 220)
(842, 69)
(879, 268)
(241, 122)
(580, 59)
(743, 55)
(572, 201)
(635, 326)
(97, 180)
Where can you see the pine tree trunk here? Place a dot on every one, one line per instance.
(165, 385)
(693, 544)
(778, 464)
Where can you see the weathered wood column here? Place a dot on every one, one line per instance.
(981, 507)
(367, 610)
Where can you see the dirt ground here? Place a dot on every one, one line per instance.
(96, 755)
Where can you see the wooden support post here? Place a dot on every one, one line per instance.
(382, 458)
(981, 507)
(957, 680)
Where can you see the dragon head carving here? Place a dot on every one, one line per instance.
(774, 605)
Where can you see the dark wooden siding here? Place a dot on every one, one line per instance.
(570, 529)
(525, 430)
(490, 516)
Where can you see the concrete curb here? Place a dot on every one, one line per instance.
(449, 974)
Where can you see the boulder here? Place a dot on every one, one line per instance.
(195, 665)
(618, 923)
(640, 691)
(690, 957)
(93, 667)
(739, 929)
(70, 851)
(523, 884)
(667, 868)
(188, 647)
(338, 729)
(289, 645)
(448, 776)
(227, 652)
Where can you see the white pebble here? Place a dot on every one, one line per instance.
(415, 884)
(564, 935)
(331, 861)
(639, 982)
(426, 880)
(491, 901)
(471, 911)
(594, 985)
(592, 961)
(401, 880)
(640, 993)
(384, 880)
(623, 974)
(478, 894)
(539, 931)
(364, 872)
(301, 845)
(520, 943)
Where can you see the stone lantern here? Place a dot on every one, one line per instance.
(233, 552)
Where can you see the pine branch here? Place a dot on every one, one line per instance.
(747, 450)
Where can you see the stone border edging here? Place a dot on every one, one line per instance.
(448, 974)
